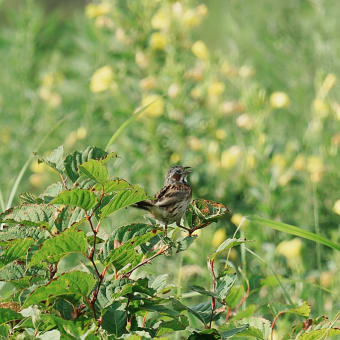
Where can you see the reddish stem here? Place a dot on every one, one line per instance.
(213, 300)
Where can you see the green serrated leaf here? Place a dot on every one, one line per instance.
(228, 333)
(227, 244)
(28, 197)
(185, 243)
(73, 161)
(246, 313)
(74, 283)
(7, 314)
(259, 328)
(51, 192)
(15, 232)
(234, 297)
(55, 159)
(207, 334)
(123, 199)
(16, 251)
(318, 334)
(114, 185)
(52, 250)
(303, 310)
(128, 232)
(77, 197)
(30, 214)
(224, 284)
(95, 169)
(115, 320)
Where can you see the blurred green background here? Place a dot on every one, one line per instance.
(247, 95)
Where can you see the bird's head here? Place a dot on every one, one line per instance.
(177, 174)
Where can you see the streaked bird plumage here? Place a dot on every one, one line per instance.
(171, 202)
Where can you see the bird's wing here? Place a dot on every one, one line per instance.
(171, 194)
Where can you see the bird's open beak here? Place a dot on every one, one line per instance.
(188, 169)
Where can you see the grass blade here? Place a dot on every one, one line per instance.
(293, 230)
(134, 116)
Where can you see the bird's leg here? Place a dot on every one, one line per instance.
(166, 229)
(180, 226)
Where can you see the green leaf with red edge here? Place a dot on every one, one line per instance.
(53, 249)
(123, 199)
(75, 283)
(77, 197)
(95, 169)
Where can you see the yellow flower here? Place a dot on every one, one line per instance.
(194, 143)
(336, 207)
(158, 41)
(219, 236)
(320, 107)
(95, 10)
(173, 90)
(326, 279)
(81, 132)
(315, 167)
(156, 105)
(251, 161)
(196, 92)
(246, 71)
(290, 249)
(191, 19)
(37, 167)
(175, 157)
(101, 79)
(148, 83)
(327, 85)
(201, 10)
(279, 100)
(230, 157)
(221, 134)
(160, 20)
(245, 121)
(279, 161)
(285, 178)
(237, 219)
(216, 88)
(36, 180)
(200, 50)
(141, 60)
(299, 163)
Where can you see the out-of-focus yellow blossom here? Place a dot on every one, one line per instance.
(229, 107)
(251, 161)
(53, 99)
(194, 143)
(212, 148)
(156, 107)
(219, 236)
(202, 10)
(104, 21)
(230, 157)
(327, 85)
(336, 207)
(195, 74)
(191, 19)
(71, 139)
(290, 249)
(81, 132)
(196, 92)
(122, 36)
(246, 71)
(95, 10)
(177, 9)
(262, 138)
(148, 83)
(245, 121)
(279, 161)
(141, 59)
(326, 279)
(161, 20)
(200, 50)
(173, 90)
(175, 157)
(228, 70)
(38, 168)
(36, 180)
(285, 178)
(221, 134)
(336, 139)
(47, 80)
(238, 218)
(5, 136)
(336, 109)
(279, 100)
(158, 41)
(320, 107)
(101, 79)
(299, 163)
(216, 88)
(315, 167)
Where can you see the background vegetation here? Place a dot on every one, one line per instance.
(247, 95)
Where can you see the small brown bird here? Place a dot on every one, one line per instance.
(170, 204)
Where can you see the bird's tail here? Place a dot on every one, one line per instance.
(145, 205)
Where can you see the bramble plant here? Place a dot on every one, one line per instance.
(67, 279)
